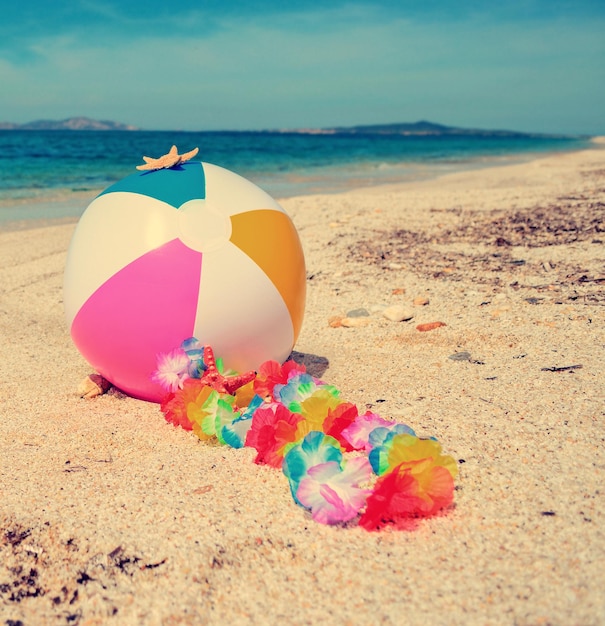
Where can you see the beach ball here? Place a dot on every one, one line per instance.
(193, 250)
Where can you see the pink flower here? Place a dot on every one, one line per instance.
(358, 432)
(171, 370)
(273, 428)
(332, 492)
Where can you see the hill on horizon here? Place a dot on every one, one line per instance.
(71, 123)
(419, 128)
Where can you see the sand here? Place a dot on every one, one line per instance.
(109, 515)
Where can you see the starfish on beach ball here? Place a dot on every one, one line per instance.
(168, 160)
(223, 384)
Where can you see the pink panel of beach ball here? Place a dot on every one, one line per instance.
(123, 326)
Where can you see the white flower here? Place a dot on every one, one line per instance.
(172, 370)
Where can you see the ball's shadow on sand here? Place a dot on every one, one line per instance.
(315, 365)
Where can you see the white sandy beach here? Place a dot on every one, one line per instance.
(109, 515)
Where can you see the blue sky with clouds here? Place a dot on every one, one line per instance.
(531, 65)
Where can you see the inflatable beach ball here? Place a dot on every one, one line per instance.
(190, 251)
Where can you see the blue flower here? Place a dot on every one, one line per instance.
(316, 448)
(195, 352)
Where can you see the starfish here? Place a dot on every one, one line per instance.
(168, 160)
(223, 384)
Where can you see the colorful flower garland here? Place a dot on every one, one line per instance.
(338, 463)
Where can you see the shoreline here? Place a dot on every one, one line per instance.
(120, 518)
(79, 200)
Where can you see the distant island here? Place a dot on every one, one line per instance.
(421, 128)
(415, 128)
(71, 123)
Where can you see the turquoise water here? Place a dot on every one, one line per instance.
(54, 174)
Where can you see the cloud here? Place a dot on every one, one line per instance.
(339, 65)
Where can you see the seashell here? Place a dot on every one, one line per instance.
(335, 321)
(421, 301)
(93, 386)
(397, 313)
(429, 326)
(354, 322)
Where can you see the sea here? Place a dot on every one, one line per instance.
(54, 175)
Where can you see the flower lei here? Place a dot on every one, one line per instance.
(340, 465)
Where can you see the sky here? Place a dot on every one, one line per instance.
(528, 65)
